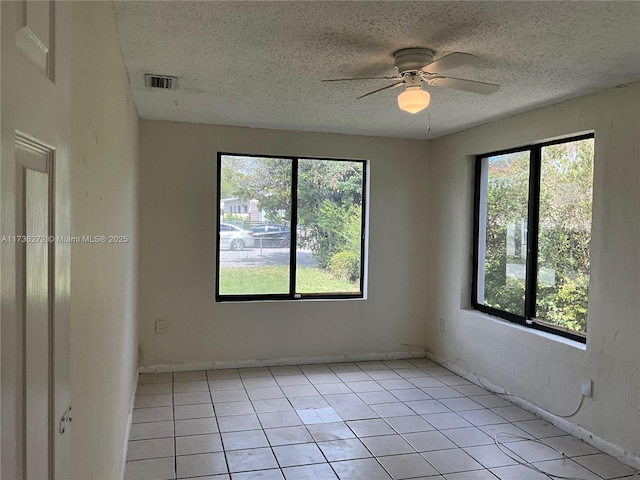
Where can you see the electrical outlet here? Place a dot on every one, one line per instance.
(442, 325)
(159, 326)
(587, 388)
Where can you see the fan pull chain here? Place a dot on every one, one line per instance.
(429, 120)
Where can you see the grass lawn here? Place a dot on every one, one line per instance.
(275, 279)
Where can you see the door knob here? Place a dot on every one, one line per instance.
(64, 420)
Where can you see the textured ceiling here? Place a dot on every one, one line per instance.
(259, 64)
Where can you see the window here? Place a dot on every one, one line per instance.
(533, 233)
(304, 235)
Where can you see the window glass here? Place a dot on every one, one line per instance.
(564, 234)
(532, 246)
(329, 226)
(303, 233)
(246, 267)
(504, 257)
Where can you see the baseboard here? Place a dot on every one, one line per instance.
(562, 423)
(125, 450)
(275, 362)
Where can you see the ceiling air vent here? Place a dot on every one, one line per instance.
(160, 81)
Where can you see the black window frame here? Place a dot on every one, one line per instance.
(292, 295)
(533, 213)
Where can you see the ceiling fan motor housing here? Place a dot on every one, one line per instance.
(412, 59)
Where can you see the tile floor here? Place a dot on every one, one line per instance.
(365, 420)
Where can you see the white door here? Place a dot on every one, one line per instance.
(34, 210)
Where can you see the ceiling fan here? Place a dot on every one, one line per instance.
(416, 66)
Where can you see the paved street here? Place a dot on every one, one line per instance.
(253, 257)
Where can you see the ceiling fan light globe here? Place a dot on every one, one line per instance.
(414, 100)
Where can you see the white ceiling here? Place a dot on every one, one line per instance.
(259, 64)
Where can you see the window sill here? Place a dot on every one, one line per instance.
(531, 331)
(290, 300)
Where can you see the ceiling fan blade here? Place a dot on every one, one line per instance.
(466, 85)
(361, 78)
(380, 89)
(453, 60)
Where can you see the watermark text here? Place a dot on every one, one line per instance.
(64, 239)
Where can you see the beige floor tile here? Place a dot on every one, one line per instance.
(248, 460)
(196, 426)
(152, 448)
(364, 469)
(144, 431)
(154, 469)
(200, 465)
(308, 414)
(192, 444)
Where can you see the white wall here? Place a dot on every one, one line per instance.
(104, 176)
(545, 371)
(178, 211)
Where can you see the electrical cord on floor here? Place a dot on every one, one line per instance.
(491, 389)
(514, 456)
(501, 446)
(582, 397)
(504, 393)
(507, 394)
(521, 461)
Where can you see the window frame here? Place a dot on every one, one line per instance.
(292, 295)
(533, 214)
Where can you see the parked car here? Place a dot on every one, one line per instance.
(234, 238)
(271, 235)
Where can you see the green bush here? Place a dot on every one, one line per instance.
(345, 265)
(565, 302)
(336, 229)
